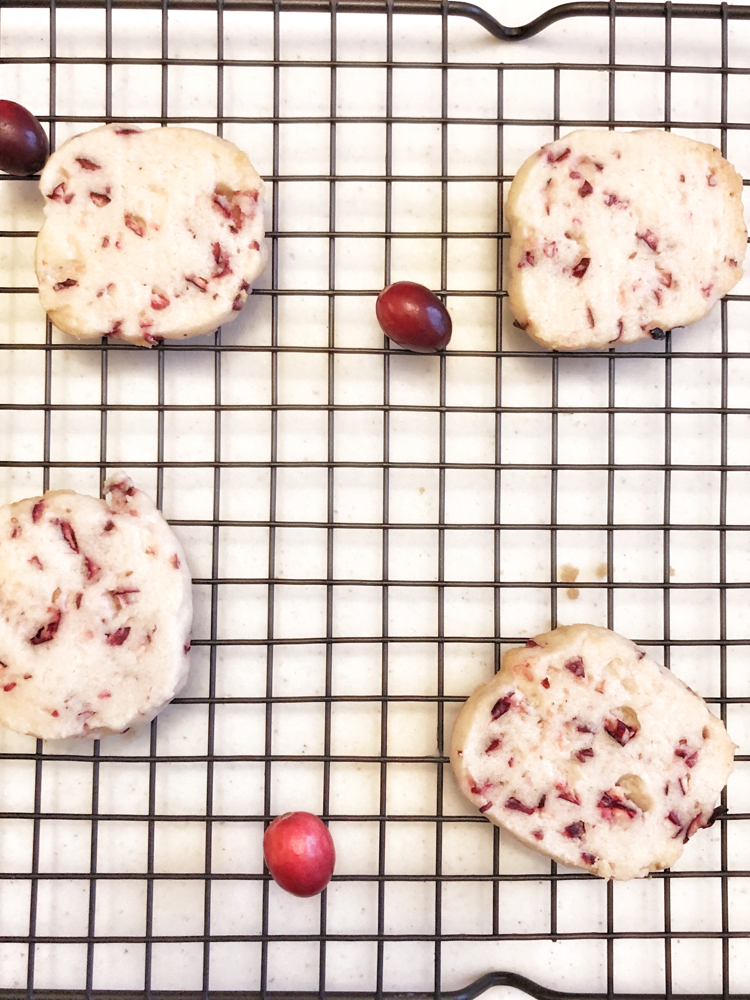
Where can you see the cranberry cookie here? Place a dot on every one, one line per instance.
(587, 750)
(148, 236)
(617, 236)
(95, 612)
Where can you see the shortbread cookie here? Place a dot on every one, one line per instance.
(616, 236)
(95, 612)
(148, 236)
(587, 750)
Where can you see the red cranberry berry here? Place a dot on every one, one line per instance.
(299, 853)
(24, 146)
(413, 317)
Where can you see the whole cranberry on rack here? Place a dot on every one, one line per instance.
(299, 852)
(24, 146)
(413, 317)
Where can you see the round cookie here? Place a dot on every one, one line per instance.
(617, 236)
(95, 612)
(148, 236)
(587, 750)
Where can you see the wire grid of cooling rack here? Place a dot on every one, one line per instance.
(368, 530)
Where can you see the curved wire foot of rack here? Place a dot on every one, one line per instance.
(455, 8)
(532, 989)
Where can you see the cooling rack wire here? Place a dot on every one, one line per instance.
(369, 530)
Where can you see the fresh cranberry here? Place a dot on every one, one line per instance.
(299, 853)
(24, 147)
(413, 317)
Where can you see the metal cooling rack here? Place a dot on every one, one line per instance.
(369, 530)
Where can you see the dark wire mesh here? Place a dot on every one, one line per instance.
(264, 966)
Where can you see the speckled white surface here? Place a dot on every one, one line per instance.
(474, 439)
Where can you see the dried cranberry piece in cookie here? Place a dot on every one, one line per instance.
(23, 142)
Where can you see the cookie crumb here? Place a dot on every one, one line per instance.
(568, 573)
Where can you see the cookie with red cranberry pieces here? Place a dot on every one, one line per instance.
(95, 612)
(149, 235)
(620, 236)
(587, 750)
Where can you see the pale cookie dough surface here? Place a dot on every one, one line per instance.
(95, 612)
(587, 750)
(149, 235)
(618, 234)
